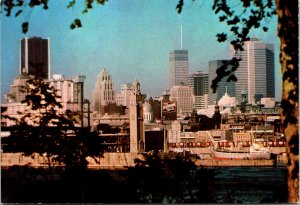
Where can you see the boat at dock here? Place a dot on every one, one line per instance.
(254, 152)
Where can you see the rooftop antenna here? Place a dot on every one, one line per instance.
(181, 36)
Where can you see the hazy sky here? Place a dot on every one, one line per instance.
(130, 38)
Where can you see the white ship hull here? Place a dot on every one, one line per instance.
(240, 155)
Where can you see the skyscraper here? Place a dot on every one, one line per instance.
(182, 94)
(199, 83)
(104, 92)
(270, 70)
(35, 57)
(256, 70)
(123, 98)
(179, 67)
(223, 85)
(71, 92)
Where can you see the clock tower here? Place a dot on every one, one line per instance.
(137, 138)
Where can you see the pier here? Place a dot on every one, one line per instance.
(124, 160)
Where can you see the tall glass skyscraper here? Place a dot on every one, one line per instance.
(256, 71)
(35, 57)
(179, 67)
(198, 81)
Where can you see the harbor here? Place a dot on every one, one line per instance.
(125, 160)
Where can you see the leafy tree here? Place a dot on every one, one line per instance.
(45, 130)
(158, 179)
(241, 21)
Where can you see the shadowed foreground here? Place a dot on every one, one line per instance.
(151, 181)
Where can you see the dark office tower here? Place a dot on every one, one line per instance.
(198, 81)
(179, 67)
(270, 70)
(223, 85)
(35, 57)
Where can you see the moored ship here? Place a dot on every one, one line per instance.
(254, 152)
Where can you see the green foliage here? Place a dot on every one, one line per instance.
(76, 24)
(179, 6)
(45, 130)
(170, 180)
(249, 15)
(18, 6)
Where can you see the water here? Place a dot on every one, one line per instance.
(250, 184)
(227, 185)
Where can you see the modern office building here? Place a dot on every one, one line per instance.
(104, 92)
(69, 93)
(64, 87)
(35, 57)
(223, 85)
(256, 70)
(179, 67)
(69, 89)
(123, 98)
(18, 91)
(182, 94)
(71, 96)
(198, 81)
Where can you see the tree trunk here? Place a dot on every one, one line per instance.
(288, 34)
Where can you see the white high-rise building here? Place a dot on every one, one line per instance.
(123, 98)
(64, 87)
(104, 92)
(17, 92)
(256, 70)
(182, 94)
(179, 67)
(69, 94)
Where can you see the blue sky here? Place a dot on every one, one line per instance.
(130, 38)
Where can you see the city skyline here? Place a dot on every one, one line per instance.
(131, 40)
(256, 69)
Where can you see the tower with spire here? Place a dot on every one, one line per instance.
(178, 65)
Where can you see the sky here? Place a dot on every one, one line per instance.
(130, 38)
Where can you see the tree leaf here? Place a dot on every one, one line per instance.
(222, 18)
(71, 3)
(18, 13)
(25, 26)
(179, 6)
(221, 37)
(232, 77)
(77, 23)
